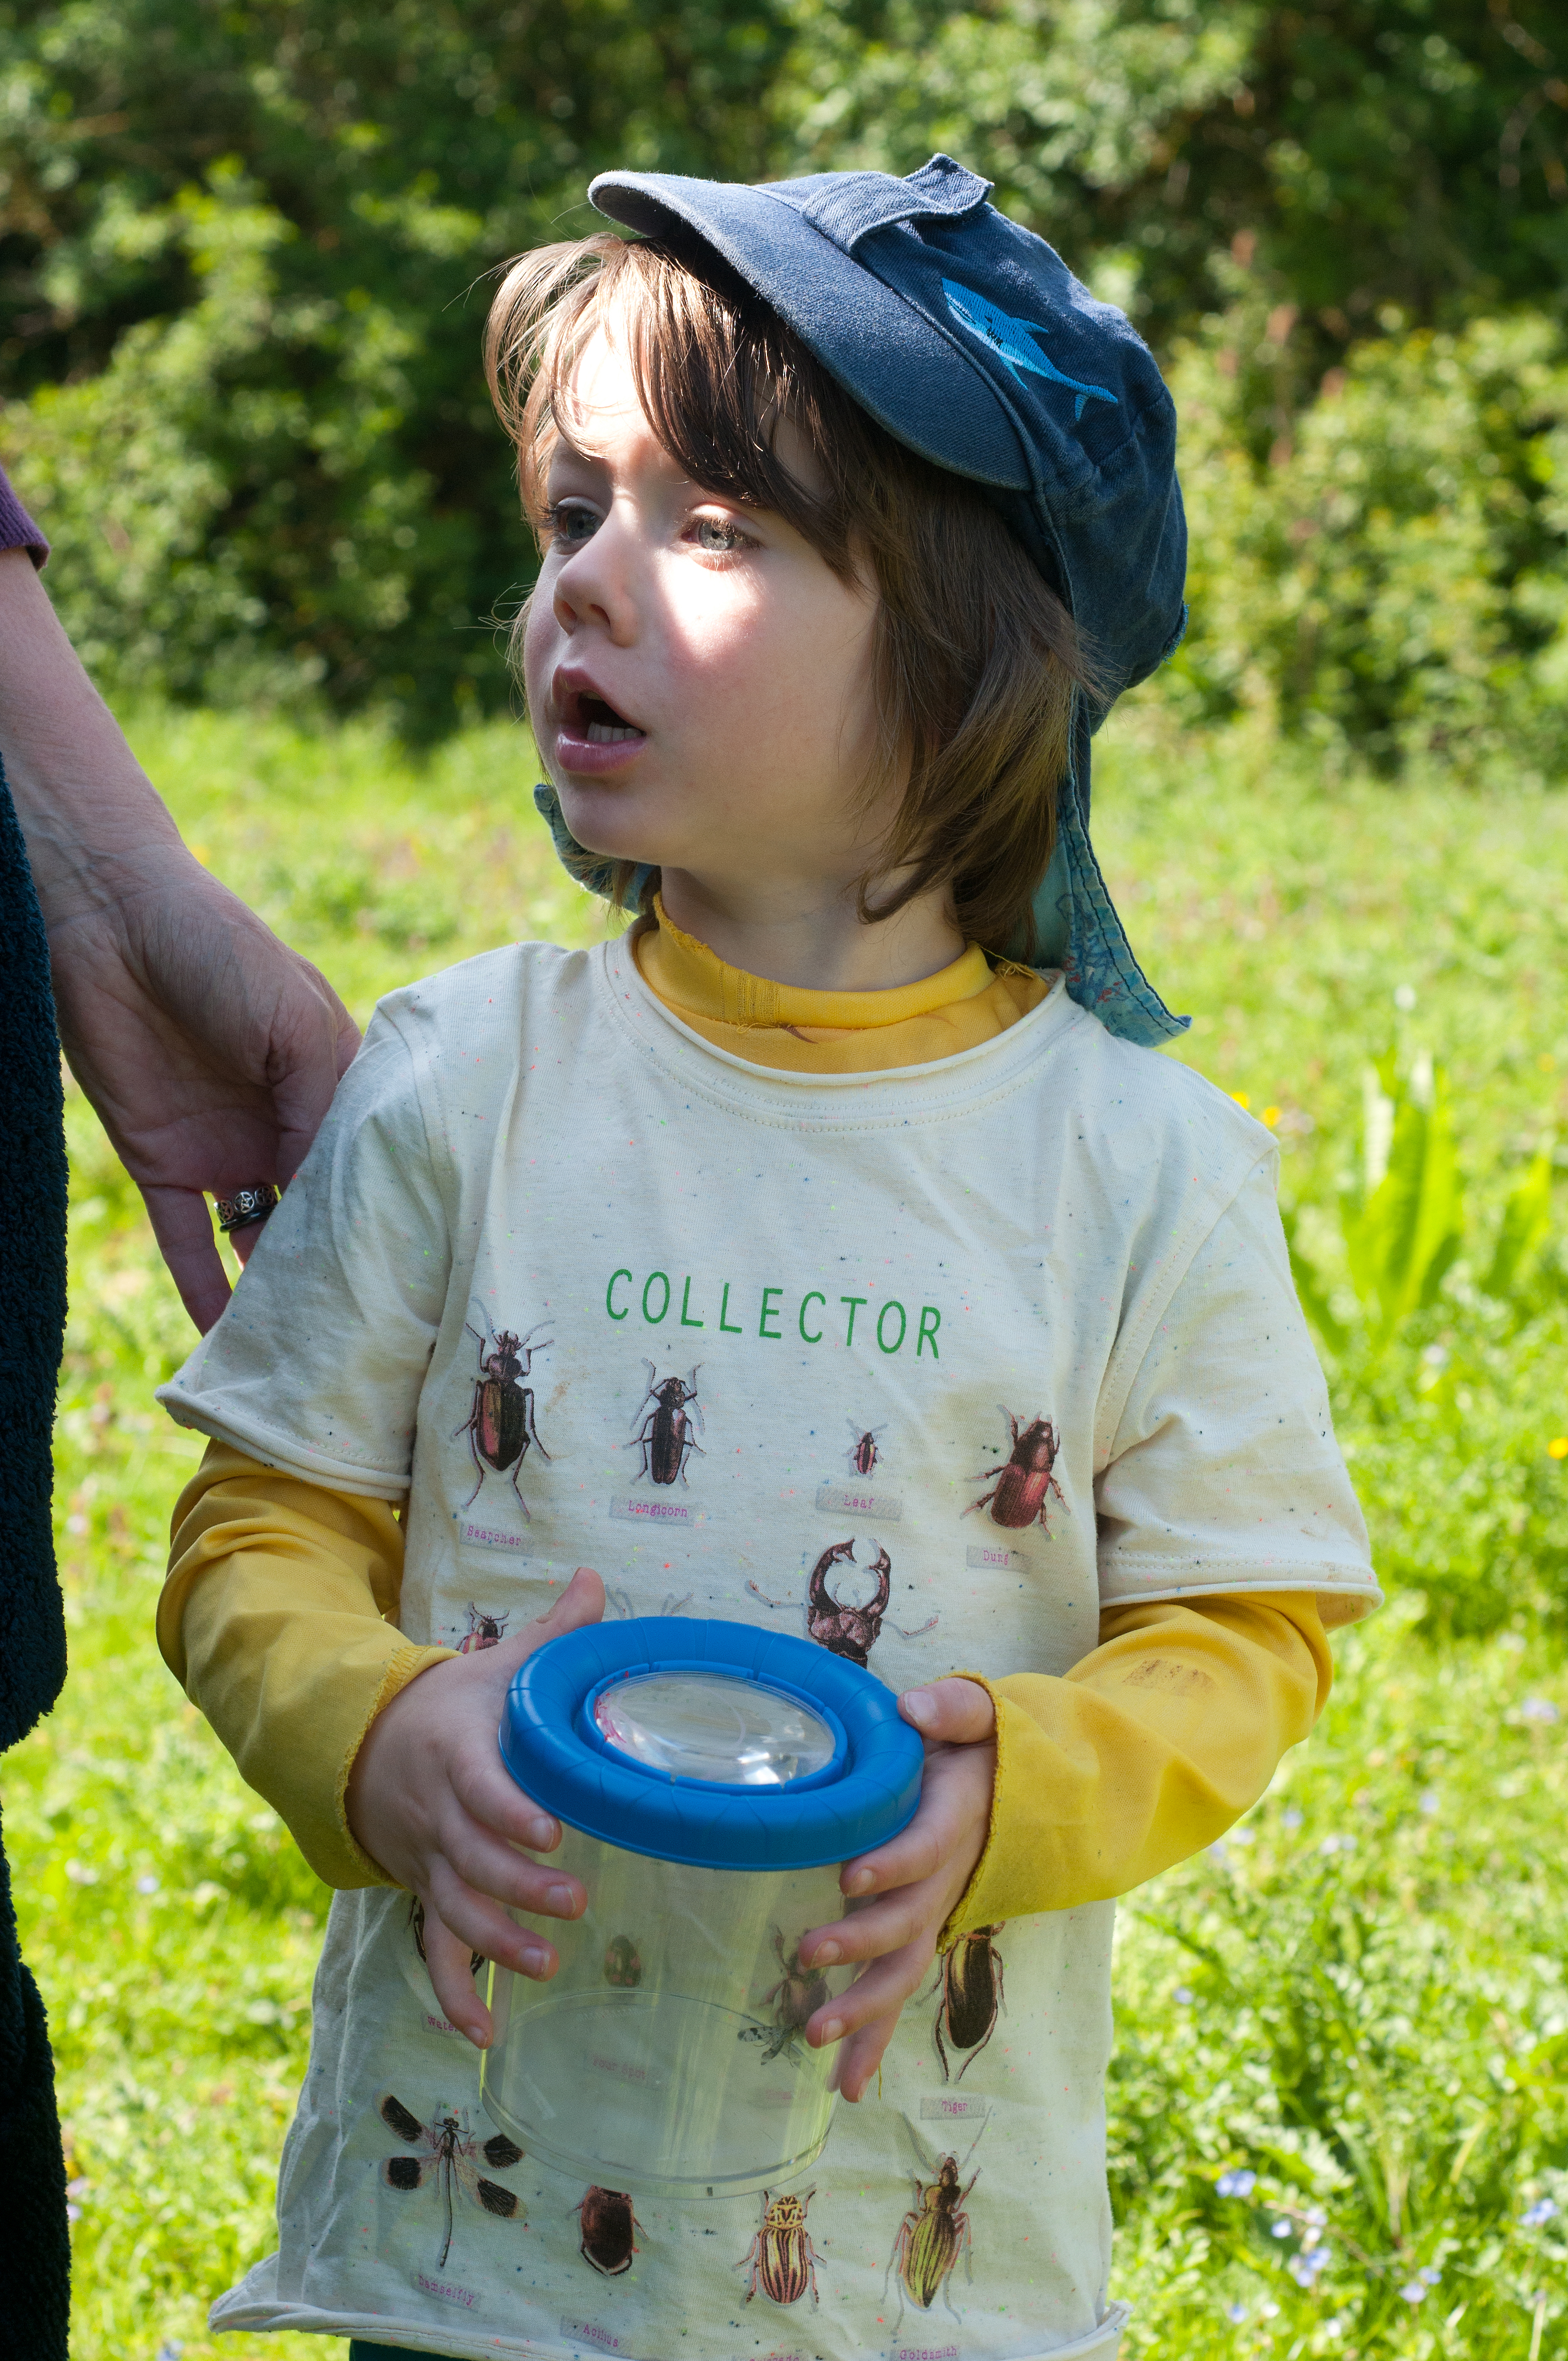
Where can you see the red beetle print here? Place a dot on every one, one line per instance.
(1021, 1497)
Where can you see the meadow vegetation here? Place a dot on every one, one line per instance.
(1337, 2119)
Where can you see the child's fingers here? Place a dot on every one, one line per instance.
(955, 1710)
(953, 1818)
(449, 1958)
(860, 2055)
(875, 1997)
(479, 1924)
(492, 1869)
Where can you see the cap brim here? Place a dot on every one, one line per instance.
(905, 371)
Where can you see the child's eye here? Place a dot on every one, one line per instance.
(571, 524)
(719, 536)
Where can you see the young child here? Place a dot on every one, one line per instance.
(857, 512)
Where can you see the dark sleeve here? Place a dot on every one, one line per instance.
(17, 530)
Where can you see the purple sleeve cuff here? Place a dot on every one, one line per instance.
(17, 530)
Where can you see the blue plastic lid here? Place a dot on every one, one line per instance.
(581, 1737)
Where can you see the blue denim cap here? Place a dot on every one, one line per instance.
(969, 340)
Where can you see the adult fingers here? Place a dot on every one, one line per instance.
(311, 1045)
(182, 1225)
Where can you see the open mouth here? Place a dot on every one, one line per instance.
(600, 723)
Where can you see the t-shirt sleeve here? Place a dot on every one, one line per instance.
(17, 530)
(1223, 1473)
(316, 1364)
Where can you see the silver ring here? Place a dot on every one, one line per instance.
(246, 1205)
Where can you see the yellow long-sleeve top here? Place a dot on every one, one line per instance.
(279, 1613)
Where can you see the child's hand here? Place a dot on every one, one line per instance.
(919, 1876)
(431, 1800)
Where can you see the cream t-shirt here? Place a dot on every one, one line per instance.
(864, 1282)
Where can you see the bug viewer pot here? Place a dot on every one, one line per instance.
(710, 1780)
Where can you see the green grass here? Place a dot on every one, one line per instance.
(1361, 2001)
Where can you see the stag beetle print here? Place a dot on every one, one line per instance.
(834, 1623)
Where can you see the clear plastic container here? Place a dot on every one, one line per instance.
(710, 1779)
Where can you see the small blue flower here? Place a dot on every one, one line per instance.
(1430, 2274)
(1304, 2269)
(1237, 2182)
(1415, 2293)
(1542, 2211)
(1290, 1819)
(1183, 1995)
(1281, 2230)
(1236, 2312)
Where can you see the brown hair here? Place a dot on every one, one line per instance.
(976, 657)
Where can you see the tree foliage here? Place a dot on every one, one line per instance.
(243, 247)
(242, 264)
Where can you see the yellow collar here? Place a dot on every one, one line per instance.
(695, 982)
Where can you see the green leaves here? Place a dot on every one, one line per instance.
(1407, 1229)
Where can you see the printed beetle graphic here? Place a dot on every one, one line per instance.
(781, 2257)
(842, 1628)
(500, 1426)
(484, 1631)
(622, 1962)
(866, 1451)
(970, 1978)
(1021, 1497)
(665, 1434)
(935, 2234)
(448, 2159)
(609, 2227)
(795, 1999)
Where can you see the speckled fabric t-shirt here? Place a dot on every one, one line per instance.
(876, 1295)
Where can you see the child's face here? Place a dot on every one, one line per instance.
(700, 680)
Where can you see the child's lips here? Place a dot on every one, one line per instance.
(594, 749)
(592, 736)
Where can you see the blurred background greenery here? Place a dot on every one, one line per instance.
(243, 264)
(244, 247)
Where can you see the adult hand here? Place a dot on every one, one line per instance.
(210, 1050)
(431, 1801)
(902, 1894)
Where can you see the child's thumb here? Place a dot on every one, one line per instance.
(581, 1602)
(956, 1709)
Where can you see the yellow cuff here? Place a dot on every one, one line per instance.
(274, 1620)
(1144, 1753)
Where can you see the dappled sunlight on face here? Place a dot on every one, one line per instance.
(700, 680)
